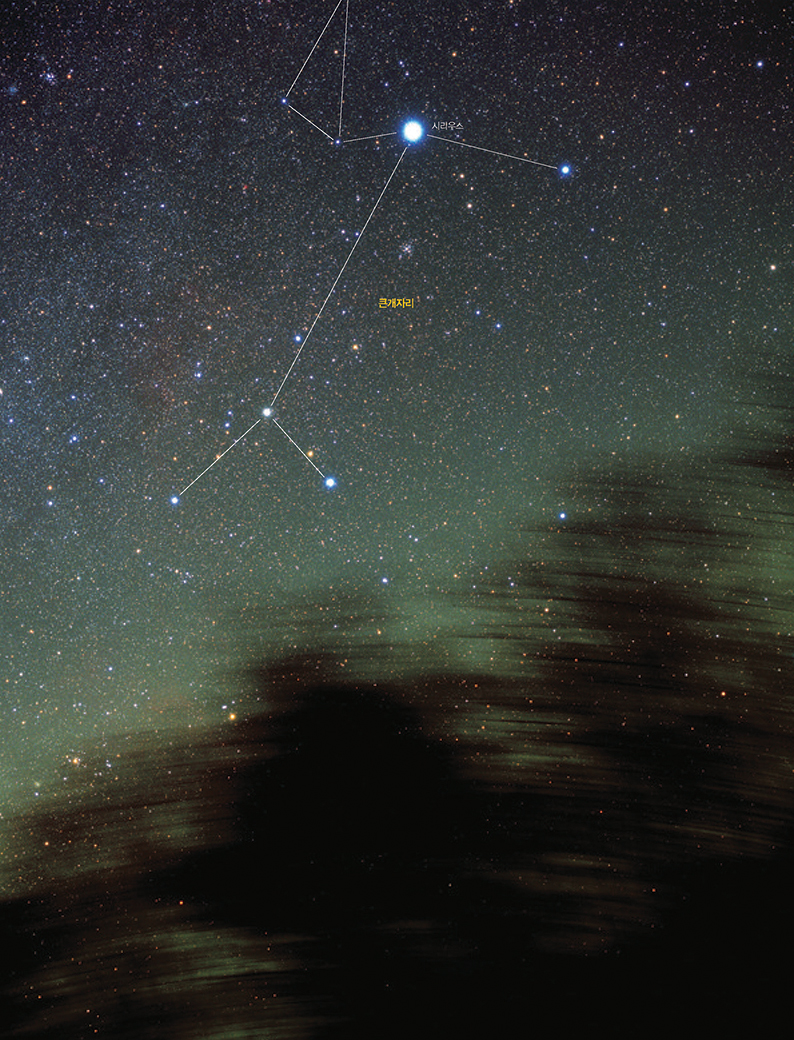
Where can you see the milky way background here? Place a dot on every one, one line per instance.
(169, 229)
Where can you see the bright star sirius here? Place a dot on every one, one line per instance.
(412, 131)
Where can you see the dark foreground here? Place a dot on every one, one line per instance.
(332, 869)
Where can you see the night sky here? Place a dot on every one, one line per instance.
(170, 231)
(385, 671)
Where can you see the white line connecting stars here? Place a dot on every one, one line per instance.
(412, 132)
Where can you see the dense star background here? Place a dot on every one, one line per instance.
(584, 349)
(169, 229)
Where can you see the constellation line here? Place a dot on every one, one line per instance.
(344, 265)
(192, 482)
(316, 127)
(350, 140)
(303, 66)
(303, 453)
(330, 481)
(492, 152)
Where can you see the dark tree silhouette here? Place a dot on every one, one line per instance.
(597, 832)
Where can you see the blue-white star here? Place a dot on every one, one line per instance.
(413, 131)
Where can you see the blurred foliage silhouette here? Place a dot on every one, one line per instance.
(595, 829)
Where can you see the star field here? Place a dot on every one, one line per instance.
(171, 230)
